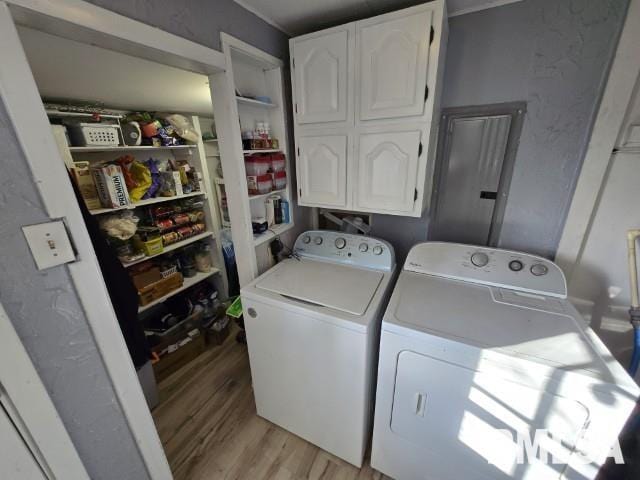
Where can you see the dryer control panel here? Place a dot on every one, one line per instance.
(347, 248)
(489, 266)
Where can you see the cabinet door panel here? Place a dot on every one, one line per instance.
(320, 74)
(387, 171)
(323, 170)
(394, 57)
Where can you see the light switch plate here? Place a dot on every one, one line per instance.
(49, 244)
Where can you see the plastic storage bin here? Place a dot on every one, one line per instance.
(278, 163)
(279, 180)
(257, 165)
(94, 135)
(259, 184)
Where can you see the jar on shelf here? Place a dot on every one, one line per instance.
(203, 258)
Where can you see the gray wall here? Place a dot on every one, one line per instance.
(555, 55)
(44, 306)
(201, 21)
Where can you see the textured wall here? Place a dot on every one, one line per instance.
(45, 311)
(44, 306)
(555, 55)
(202, 21)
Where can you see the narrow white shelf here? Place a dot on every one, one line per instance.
(263, 195)
(58, 113)
(273, 232)
(188, 282)
(170, 248)
(142, 203)
(126, 148)
(266, 150)
(210, 140)
(254, 102)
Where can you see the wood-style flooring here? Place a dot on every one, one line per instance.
(209, 428)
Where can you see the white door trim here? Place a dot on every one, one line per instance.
(625, 72)
(32, 410)
(81, 21)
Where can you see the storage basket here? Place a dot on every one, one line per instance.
(94, 135)
(169, 271)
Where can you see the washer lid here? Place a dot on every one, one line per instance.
(344, 288)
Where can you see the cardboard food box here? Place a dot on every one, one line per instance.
(81, 173)
(111, 186)
(155, 290)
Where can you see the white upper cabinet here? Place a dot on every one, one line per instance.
(387, 171)
(366, 100)
(393, 53)
(320, 67)
(322, 170)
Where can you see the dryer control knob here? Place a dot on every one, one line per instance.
(318, 240)
(306, 239)
(539, 269)
(515, 265)
(363, 247)
(479, 259)
(340, 243)
(377, 250)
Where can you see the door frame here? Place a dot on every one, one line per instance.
(517, 111)
(87, 23)
(32, 411)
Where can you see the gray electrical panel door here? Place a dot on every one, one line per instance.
(468, 179)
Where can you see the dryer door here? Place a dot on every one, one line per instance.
(471, 420)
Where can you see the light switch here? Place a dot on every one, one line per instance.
(49, 244)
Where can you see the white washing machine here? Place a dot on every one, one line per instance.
(479, 348)
(313, 329)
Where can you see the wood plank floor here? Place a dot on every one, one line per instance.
(209, 428)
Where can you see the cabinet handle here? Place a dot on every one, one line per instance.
(420, 149)
(421, 403)
(426, 92)
(432, 34)
(488, 195)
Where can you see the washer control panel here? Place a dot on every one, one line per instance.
(490, 266)
(346, 248)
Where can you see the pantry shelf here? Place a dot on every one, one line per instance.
(143, 203)
(264, 195)
(254, 102)
(124, 148)
(210, 140)
(171, 248)
(266, 150)
(188, 282)
(273, 232)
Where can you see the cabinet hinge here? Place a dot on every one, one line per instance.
(431, 35)
(293, 60)
(295, 106)
(420, 149)
(299, 193)
(426, 92)
(298, 151)
(415, 195)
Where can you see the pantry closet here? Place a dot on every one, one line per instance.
(139, 141)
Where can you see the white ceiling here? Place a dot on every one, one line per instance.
(68, 70)
(296, 17)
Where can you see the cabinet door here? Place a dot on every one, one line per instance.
(322, 167)
(321, 77)
(393, 61)
(387, 171)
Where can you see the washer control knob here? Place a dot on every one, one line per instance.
(363, 247)
(340, 243)
(515, 265)
(479, 259)
(318, 240)
(306, 239)
(377, 250)
(539, 269)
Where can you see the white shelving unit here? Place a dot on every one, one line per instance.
(253, 73)
(196, 156)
